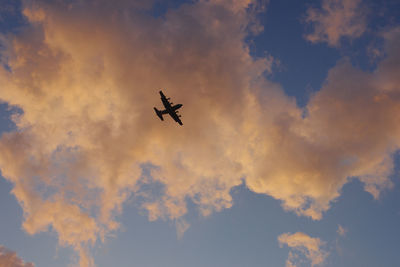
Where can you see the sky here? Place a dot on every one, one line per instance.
(288, 156)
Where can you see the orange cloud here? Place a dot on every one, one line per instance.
(87, 82)
(336, 19)
(10, 259)
(86, 77)
(349, 130)
(303, 244)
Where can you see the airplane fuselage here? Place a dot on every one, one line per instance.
(170, 108)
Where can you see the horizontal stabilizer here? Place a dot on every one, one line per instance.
(159, 114)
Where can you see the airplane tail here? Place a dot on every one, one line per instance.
(159, 114)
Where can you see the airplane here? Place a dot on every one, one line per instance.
(169, 109)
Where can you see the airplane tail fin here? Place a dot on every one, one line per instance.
(159, 114)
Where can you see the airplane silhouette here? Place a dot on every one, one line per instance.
(169, 109)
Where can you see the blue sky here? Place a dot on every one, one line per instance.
(242, 231)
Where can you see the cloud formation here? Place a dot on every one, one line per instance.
(336, 19)
(302, 244)
(86, 76)
(10, 259)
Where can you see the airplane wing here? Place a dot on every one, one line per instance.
(164, 99)
(170, 109)
(176, 117)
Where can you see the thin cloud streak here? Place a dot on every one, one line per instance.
(341, 231)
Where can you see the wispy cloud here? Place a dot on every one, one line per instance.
(336, 19)
(341, 230)
(303, 245)
(9, 258)
(86, 77)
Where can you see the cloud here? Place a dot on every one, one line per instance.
(336, 19)
(86, 81)
(10, 259)
(341, 230)
(348, 130)
(302, 244)
(86, 78)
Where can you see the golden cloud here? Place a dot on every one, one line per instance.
(301, 243)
